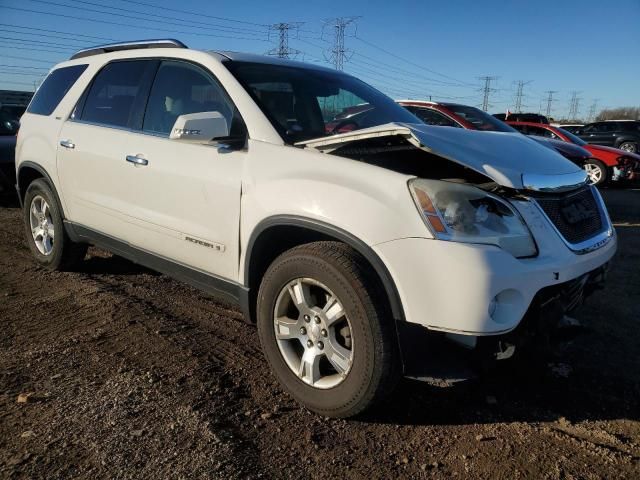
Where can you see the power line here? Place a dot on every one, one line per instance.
(409, 62)
(338, 53)
(195, 14)
(283, 29)
(137, 27)
(487, 90)
(73, 35)
(162, 18)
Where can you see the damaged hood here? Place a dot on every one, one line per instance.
(509, 159)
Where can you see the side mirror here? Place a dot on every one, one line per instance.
(202, 127)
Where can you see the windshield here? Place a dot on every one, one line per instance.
(306, 103)
(479, 119)
(574, 138)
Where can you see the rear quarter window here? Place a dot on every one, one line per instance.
(54, 88)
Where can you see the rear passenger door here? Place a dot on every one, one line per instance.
(94, 142)
(185, 201)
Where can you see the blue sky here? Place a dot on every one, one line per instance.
(412, 49)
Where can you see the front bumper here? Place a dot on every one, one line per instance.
(475, 289)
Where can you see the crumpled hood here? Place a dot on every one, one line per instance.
(509, 159)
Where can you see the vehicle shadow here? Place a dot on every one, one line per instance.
(533, 393)
(100, 262)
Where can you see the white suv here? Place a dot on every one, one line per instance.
(350, 232)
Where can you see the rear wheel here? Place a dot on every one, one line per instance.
(324, 330)
(630, 147)
(597, 171)
(44, 230)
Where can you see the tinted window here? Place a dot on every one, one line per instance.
(300, 101)
(110, 99)
(181, 88)
(629, 126)
(54, 88)
(572, 138)
(542, 132)
(432, 117)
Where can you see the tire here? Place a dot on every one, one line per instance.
(597, 171)
(59, 253)
(329, 270)
(631, 147)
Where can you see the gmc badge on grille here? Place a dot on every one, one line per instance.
(576, 212)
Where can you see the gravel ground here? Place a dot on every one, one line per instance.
(114, 371)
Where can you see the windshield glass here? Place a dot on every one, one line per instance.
(574, 138)
(306, 103)
(479, 119)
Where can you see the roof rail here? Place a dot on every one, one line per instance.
(114, 47)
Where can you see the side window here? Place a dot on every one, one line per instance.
(522, 129)
(181, 88)
(432, 117)
(111, 97)
(541, 132)
(54, 88)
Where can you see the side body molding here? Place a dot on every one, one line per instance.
(330, 231)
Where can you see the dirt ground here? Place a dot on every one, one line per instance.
(134, 375)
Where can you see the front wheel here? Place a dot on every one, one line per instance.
(597, 171)
(325, 331)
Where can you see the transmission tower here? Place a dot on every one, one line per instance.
(574, 105)
(520, 95)
(487, 90)
(338, 53)
(282, 30)
(592, 110)
(550, 100)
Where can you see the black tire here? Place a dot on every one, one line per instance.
(375, 368)
(65, 253)
(604, 175)
(631, 147)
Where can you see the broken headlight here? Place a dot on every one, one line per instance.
(464, 213)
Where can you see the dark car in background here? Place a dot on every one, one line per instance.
(522, 117)
(9, 124)
(622, 134)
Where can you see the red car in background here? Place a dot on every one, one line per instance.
(607, 164)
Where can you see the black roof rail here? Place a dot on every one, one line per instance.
(114, 47)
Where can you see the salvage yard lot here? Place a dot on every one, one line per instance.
(134, 375)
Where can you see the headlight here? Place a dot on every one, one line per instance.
(464, 213)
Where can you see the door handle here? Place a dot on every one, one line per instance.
(67, 144)
(137, 160)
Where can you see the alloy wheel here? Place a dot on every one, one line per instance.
(313, 333)
(41, 223)
(594, 172)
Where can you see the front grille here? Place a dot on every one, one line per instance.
(575, 214)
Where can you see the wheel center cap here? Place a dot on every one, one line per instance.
(314, 333)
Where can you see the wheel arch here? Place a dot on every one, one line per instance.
(27, 173)
(274, 235)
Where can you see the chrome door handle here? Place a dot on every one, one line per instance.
(137, 160)
(67, 144)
